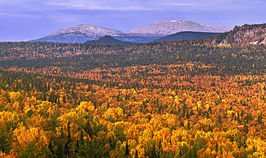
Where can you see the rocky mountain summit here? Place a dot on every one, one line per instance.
(175, 26)
(246, 34)
(79, 34)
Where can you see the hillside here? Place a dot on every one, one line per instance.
(187, 35)
(246, 34)
(108, 40)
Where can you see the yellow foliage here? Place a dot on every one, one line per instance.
(86, 107)
(8, 118)
(14, 96)
(33, 135)
(257, 144)
(114, 113)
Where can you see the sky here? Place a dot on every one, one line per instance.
(22, 20)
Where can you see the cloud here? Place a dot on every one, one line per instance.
(19, 15)
(101, 5)
(177, 4)
(126, 5)
(211, 5)
(122, 5)
(15, 7)
(257, 1)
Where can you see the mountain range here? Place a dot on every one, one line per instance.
(84, 32)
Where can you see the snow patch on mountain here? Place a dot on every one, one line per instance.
(89, 30)
(175, 26)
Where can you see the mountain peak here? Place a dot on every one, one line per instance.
(177, 21)
(89, 30)
(84, 25)
(175, 26)
(106, 37)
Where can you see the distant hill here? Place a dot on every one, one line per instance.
(186, 35)
(175, 26)
(246, 34)
(108, 40)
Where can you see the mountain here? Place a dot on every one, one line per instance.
(174, 26)
(84, 32)
(186, 35)
(246, 34)
(79, 34)
(108, 40)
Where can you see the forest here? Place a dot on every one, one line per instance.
(161, 100)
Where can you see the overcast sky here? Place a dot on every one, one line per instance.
(31, 19)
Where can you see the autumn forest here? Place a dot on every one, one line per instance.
(160, 100)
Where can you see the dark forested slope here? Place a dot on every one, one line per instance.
(186, 35)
